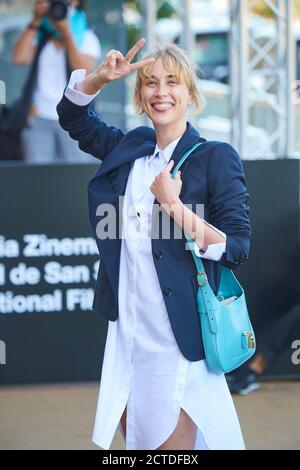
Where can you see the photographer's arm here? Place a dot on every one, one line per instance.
(76, 59)
(25, 48)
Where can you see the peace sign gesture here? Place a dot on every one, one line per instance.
(116, 66)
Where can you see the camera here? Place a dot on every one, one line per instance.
(58, 9)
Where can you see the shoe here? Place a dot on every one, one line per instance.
(243, 382)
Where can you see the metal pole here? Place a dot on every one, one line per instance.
(188, 37)
(122, 47)
(238, 59)
(282, 84)
(291, 77)
(149, 9)
(188, 40)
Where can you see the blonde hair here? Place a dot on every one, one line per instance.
(175, 61)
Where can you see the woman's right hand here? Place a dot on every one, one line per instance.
(116, 66)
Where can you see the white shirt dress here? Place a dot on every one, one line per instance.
(143, 366)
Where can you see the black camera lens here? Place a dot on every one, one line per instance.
(58, 9)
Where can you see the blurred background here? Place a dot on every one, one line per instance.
(247, 55)
(210, 30)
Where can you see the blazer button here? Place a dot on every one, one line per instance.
(158, 254)
(167, 291)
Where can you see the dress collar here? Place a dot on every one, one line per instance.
(166, 153)
(143, 140)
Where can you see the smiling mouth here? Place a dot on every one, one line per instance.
(162, 107)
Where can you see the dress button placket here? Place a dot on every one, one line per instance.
(131, 325)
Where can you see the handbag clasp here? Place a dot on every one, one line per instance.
(250, 340)
(201, 273)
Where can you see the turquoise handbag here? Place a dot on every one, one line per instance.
(227, 333)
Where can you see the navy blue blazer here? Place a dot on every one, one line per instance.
(212, 175)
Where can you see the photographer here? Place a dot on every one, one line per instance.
(69, 44)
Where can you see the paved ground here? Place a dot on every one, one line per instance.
(62, 417)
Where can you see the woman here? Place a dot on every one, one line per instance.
(155, 384)
(67, 45)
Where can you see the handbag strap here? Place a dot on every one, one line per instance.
(208, 297)
(197, 259)
(183, 159)
(26, 97)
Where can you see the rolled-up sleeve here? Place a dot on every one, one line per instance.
(228, 203)
(76, 96)
(214, 251)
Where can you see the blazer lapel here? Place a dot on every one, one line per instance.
(141, 142)
(119, 162)
(188, 139)
(131, 150)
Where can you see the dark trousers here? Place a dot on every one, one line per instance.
(282, 334)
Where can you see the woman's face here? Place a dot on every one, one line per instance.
(165, 100)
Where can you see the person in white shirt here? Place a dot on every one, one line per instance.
(71, 45)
